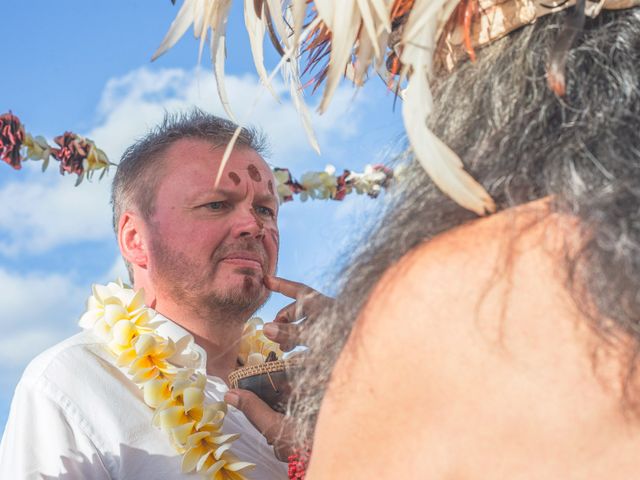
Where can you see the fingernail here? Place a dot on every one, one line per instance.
(270, 330)
(232, 399)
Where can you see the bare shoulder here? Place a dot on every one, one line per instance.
(462, 343)
(471, 281)
(472, 290)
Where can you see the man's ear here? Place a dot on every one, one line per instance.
(132, 239)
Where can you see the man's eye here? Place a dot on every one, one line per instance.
(266, 211)
(215, 205)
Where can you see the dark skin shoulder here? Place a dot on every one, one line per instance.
(468, 362)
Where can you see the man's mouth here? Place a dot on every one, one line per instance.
(244, 260)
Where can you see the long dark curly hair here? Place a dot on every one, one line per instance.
(522, 143)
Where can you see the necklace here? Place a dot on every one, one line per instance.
(118, 315)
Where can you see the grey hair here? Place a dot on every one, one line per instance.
(140, 169)
(522, 143)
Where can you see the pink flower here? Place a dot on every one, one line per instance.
(298, 463)
(72, 153)
(342, 186)
(286, 185)
(11, 138)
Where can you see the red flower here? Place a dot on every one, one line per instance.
(72, 153)
(293, 185)
(298, 463)
(341, 186)
(388, 173)
(11, 138)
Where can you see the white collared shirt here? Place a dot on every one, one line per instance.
(76, 415)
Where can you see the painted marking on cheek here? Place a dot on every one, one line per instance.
(275, 236)
(254, 173)
(270, 187)
(235, 178)
(259, 222)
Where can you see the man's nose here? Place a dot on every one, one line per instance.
(248, 224)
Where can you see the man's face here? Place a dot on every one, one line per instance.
(211, 247)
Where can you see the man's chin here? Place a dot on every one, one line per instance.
(245, 279)
(248, 272)
(241, 291)
(236, 274)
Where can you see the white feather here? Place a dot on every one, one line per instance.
(298, 12)
(275, 9)
(372, 40)
(440, 162)
(383, 11)
(179, 26)
(326, 9)
(200, 18)
(369, 25)
(346, 23)
(365, 54)
(424, 15)
(226, 155)
(218, 53)
(205, 13)
(296, 92)
(256, 29)
(291, 75)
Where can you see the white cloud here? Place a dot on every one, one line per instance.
(48, 212)
(39, 298)
(38, 310)
(16, 350)
(133, 103)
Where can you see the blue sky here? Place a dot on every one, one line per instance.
(84, 67)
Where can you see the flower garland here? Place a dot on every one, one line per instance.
(79, 155)
(117, 314)
(255, 347)
(75, 153)
(327, 185)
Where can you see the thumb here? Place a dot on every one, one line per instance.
(266, 420)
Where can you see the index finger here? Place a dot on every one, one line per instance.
(266, 420)
(288, 288)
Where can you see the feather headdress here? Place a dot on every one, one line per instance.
(326, 40)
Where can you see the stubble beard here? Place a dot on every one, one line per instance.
(174, 276)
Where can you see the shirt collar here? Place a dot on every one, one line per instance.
(194, 355)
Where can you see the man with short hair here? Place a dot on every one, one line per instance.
(203, 256)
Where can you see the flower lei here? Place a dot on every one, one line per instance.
(118, 315)
(76, 154)
(327, 185)
(80, 155)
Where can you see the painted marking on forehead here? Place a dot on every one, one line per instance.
(254, 173)
(235, 178)
(270, 187)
